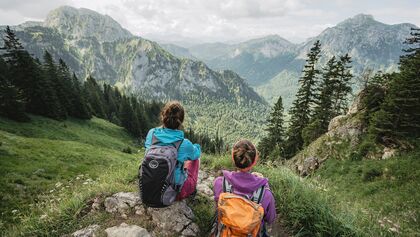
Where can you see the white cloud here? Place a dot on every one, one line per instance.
(221, 20)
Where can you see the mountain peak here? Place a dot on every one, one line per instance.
(82, 22)
(359, 19)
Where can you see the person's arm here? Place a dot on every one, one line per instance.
(217, 188)
(197, 151)
(270, 213)
(148, 141)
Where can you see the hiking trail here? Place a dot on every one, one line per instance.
(132, 219)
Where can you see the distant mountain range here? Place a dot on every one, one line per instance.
(272, 65)
(95, 44)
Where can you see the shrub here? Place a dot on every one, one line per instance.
(127, 150)
(371, 174)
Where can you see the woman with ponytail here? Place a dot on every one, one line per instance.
(244, 183)
(170, 133)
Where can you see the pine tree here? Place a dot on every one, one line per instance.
(12, 102)
(342, 85)
(301, 109)
(66, 86)
(80, 107)
(323, 111)
(399, 116)
(52, 76)
(95, 98)
(26, 74)
(275, 130)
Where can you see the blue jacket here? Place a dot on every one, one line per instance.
(187, 151)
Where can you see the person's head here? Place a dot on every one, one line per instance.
(172, 115)
(244, 155)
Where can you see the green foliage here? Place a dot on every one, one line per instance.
(399, 114)
(304, 208)
(275, 132)
(312, 131)
(37, 155)
(377, 189)
(12, 102)
(301, 110)
(127, 150)
(208, 145)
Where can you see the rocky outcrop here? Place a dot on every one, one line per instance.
(310, 164)
(175, 220)
(89, 231)
(125, 230)
(349, 126)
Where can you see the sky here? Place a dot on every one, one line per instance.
(198, 21)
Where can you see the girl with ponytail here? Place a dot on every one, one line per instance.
(169, 133)
(243, 182)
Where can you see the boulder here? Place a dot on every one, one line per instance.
(87, 232)
(346, 127)
(177, 218)
(121, 202)
(205, 189)
(388, 153)
(309, 165)
(125, 230)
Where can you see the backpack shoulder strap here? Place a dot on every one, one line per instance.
(227, 187)
(177, 144)
(154, 139)
(258, 194)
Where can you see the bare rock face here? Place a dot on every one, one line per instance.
(125, 230)
(346, 127)
(388, 153)
(87, 232)
(177, 218)
(121, 202)
(309, 165)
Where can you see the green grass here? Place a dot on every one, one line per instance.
(379, 189)
(52, 169)
(44, 156)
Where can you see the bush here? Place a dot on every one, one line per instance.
(127, 150)
(366, 146)
(371, 174)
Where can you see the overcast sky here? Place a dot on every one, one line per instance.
(221, 20)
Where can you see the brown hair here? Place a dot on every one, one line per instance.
(244, 153)
(172, 115)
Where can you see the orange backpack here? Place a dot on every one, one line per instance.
(238, 216)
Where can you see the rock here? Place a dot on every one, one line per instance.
(96, 205)
(125, 230)
(202, 175)
(388, 153)
(204, 189)
(356, 106)
(121, 202)
(174, 219)
(140, 210)
(335, 122)
(346, 127)
(191, 230)
(87, 232)
(309, 164)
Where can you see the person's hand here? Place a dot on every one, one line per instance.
(258, 174)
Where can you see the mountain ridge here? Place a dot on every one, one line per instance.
(142, 67)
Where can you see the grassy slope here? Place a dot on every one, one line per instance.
(310, 207)
(44, 159)
(383, 191)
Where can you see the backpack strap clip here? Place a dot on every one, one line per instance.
(227, 187)
(258, 195)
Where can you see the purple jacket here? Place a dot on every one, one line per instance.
(245, 183)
